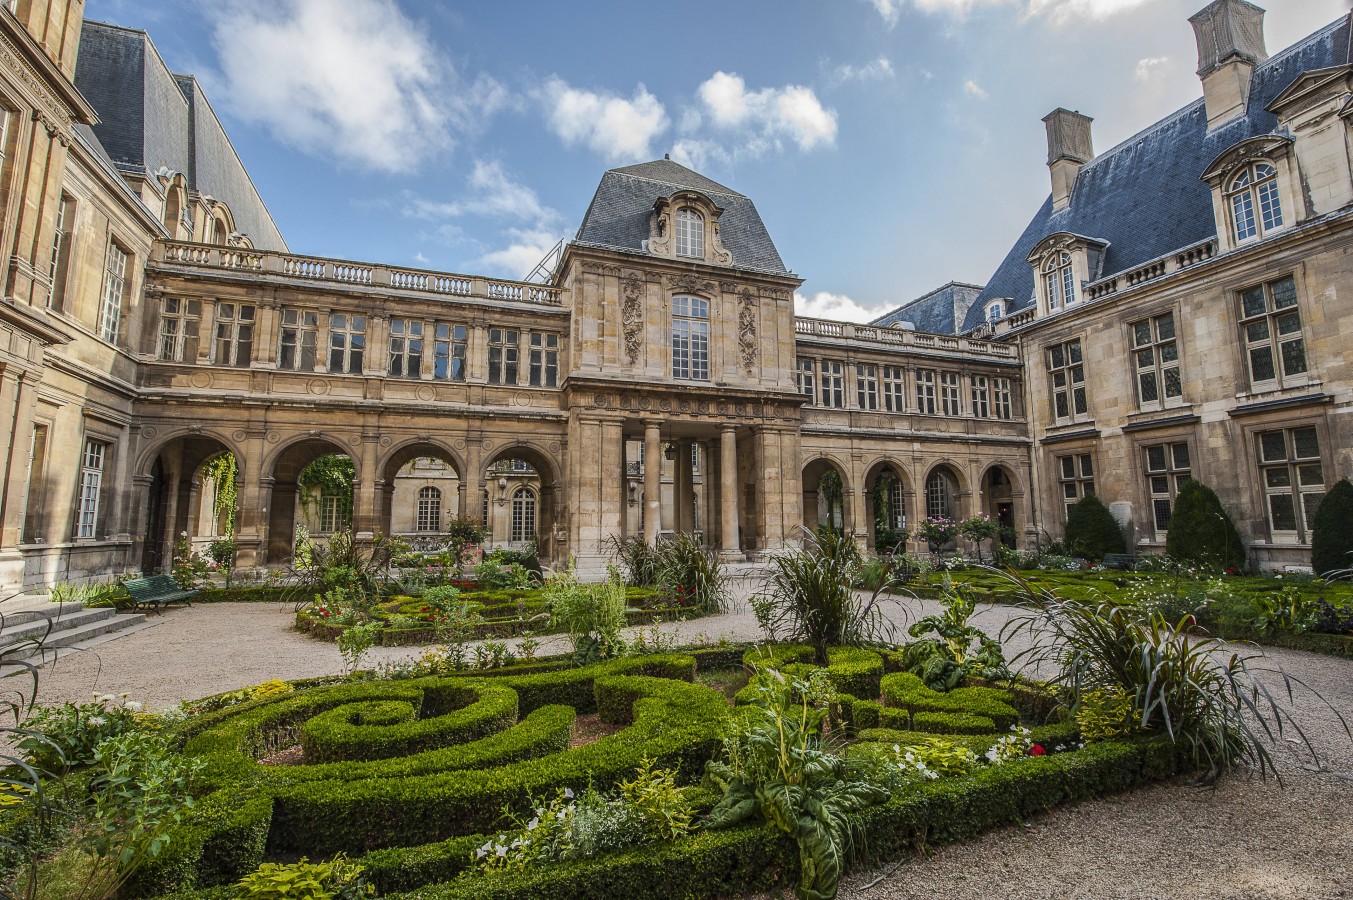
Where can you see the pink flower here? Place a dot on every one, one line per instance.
(1037, 750)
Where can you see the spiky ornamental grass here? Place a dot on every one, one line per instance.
(1199, 692)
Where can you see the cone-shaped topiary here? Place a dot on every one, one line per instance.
(1202, 532)
(1092, 531)
(1332, 531)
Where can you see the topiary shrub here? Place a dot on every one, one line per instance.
(1092, 531)
(1202, 532)
(1332, 531)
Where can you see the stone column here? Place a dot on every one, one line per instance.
(652, 482)
(728, 490)
(684, 489)
(364, 524)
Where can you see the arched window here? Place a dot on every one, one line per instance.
(690, 233)
(897, 506)
(995, 311)
(939, 495)
(1253, 199)
(218, 232)
(523, 514)
(1059, 280)
(429, 510)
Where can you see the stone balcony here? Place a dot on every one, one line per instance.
(871, 336)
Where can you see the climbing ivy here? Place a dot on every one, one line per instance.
(832, 491)
(223, 470)
(331, 475)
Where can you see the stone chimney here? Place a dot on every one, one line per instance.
(1070, 146)
(1230, 37)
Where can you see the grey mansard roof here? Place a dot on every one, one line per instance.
(1145, 197)
(618, 216)
(939, 312)
(151, 118)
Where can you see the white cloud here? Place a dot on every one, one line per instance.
(611, 126)
(768, 116)
(975, 90)
(356, 80)
(825, 305)
(1148, 67)
(492, 193)
(526, 247)
(1057, 10)
(877, 70)
(889, 10)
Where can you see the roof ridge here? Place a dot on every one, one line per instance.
(627, 172)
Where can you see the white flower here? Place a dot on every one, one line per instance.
(533, 824)
(568, 793)
(500, 850)
(96, 721)
(133, 706)
(481, 853)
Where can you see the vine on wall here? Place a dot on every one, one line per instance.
(223, 471)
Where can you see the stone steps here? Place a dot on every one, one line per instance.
(49, 629)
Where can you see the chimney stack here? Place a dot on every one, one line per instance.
(1230, 37)
(1070, 146)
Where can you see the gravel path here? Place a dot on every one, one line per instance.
(1246, 839)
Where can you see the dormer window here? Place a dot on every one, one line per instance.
(1252, 197)
(1060, 280)
(690, 233)
(995, 310)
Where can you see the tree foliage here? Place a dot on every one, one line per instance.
(333, 475)
(1332, 531)
(1092, 531)
(1202, 532)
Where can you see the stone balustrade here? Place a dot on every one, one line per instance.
(345, 272)
(1153, 269)
(872, 334)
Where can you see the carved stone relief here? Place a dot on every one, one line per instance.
(632, 315)
(747, 328)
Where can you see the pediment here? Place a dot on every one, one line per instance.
(1311, 85)
(1264, 146)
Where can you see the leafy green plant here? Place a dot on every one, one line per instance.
(687, 569)
(957, 649)
(777, 767)
(223, 471)
(638, 558)
(1201, 532)
(1105, 713)
(61, 738)
(189, 568)
(980, 528)
(1284, 612)
(1092, 531)
(354, 643)
(1332, 530)
(934, 759)
(105, 592)
(591, 614)
(494, 575)
(338, 879)
(936, 531)
(662, 806)
(222, 555)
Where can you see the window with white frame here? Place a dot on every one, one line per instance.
(950, 394)
(690, 338)
(995, 310)
(981, 396)
(114, 290)
(1002, 398)
(544, 360)
(806, 371)
(449, 344)
(939, 495)
(1066, 374)
(234, 344)
(298, 338)
(866, 386)
(1253, 201)
(429, 518)
(1292, 471)
(91, 487)
(925, 392)
(347, 343)
(504, 350)
(334, 513)
(1156, 359)
(61, 242)
(690, 233)
(406, 348)
(1167, 468)
(1059, 280)
(894, 389)
(180, 320)
(1076, 478)
(833, 383)
(523, 514)
(1270, 325)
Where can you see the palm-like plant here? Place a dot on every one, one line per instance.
(682, 562)
(21, 784)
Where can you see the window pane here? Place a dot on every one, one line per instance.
(1068, 467)
(1155, 459)
(1289, 323)
(1181, 456)
(1309, 504)
(1078, 395)
(1253, 302)
(1305, 443)
(1174, 385)
(1294, 357)
(1261, 364)
(1148, 384)
(1169, 352)
(1146, 358)
(1310, 476)
(1056, 357)
(1281, 512)
(1087, 465)
(1278, 477)
(1257, 331)
(1162, 513)
(1141, 334)
(1273, 446)
(1160, 484)
(1165, 327)
(1284, 293)
(1073, 351)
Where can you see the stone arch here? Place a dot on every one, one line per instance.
(388, 485)
(818, 509)
(1001, 496)
(284, 471)
(900, 504)
(548, 486)
(958, 490)
(171, 471)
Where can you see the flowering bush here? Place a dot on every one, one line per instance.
(1015, 745)
(980, 528)
(67, 736)
(937, 531)
(935, 759)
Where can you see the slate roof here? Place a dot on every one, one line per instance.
(935, 312)
(1145, 197)
(150, 118)
(618, 215)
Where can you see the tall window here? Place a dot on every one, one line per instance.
(544, 360)
(690, 338)
(833, 384)
(406, 348)
(1293, 475)
(925, 392)
(65, 224)
(448, 347)
(503, 355)
(1156, 357)
(333, 513)
(1076, 474)
(807, 375)
(234, 334)
(114, 288)
(523, 514)
(91, 486)
(867, 386)
(1002, 398)
(894, 389)
(950, 394)
(429, 510)
(179, 323)
(1059, 280)
(981, 396)
(1253, 201)
(1066, 371)
(939, 495)
(347, 343)
(299, 337)
(690, 233)
(1167, 468)
(1271, 325)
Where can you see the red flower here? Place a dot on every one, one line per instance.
(1037, 750)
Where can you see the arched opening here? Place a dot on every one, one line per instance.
(888, 499)
(523, 515)
(824, 496)
(998, 491)
(193, 495)
(421, 492)
(941, 494)
(312, 489)
(520, 502)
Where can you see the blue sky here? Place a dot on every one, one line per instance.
(890, 145)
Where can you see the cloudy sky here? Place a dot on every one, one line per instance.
(890, 145)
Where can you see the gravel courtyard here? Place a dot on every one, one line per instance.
(1246, 839)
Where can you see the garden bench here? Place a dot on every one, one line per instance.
(157, 591)
(1119, 560)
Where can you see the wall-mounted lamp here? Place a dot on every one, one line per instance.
(670, 452)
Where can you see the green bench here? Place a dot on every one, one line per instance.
(1119, 561)
(157, 591)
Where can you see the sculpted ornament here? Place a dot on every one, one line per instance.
(689, 284)
(632, 314)
(747, 328)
